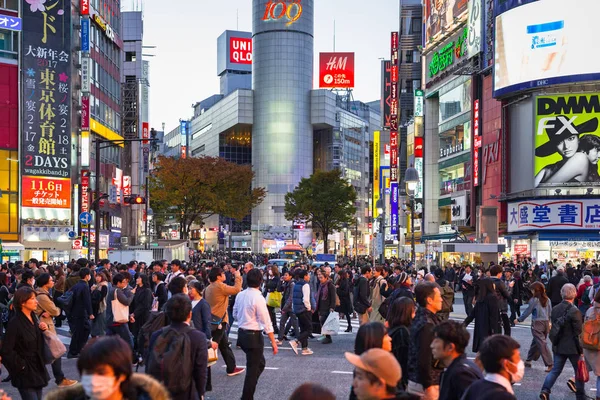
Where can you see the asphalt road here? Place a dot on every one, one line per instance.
(327, 366)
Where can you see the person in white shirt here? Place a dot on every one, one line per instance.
(250, 310)
(175, 271)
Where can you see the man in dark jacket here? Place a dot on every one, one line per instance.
(555, 285)
(503, 296)
(502, 362)
(81, 313)
(325, 300)
(286, 286)
(362, 293)
(122, 292)
(448, 346)
(467, 282)
(423, 370)
(566, 345)
(179, 312)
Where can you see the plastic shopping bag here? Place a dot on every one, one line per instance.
(331, 325)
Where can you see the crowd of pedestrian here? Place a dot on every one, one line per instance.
(170, 322)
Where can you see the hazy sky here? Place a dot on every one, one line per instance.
(185, 34)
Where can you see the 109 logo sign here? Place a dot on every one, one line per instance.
(290, 10)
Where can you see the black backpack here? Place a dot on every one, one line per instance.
(387, 303)
(65, 301)
(170, 360)
(557, 327)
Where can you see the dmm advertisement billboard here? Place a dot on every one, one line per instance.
(553, 214)
(441, 14)
(545, 43)
(567, 139)
(46, 140)
(336, 70)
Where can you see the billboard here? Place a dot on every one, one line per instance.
(394, 208)
(394, 106)
(85, 35)
(234, 52)
(376, 173)
(386, 91)
(46, 141)
(440, 15)
(553, 215)
(544, 43)
(240, 50)
(336, 70)
(567, 139)
(501, 6)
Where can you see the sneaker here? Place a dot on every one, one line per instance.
(67, 382)
(544, 396)
(327, 340)
(236, 371)
(548, 368)
(306, 352)
(571, 385)
(294, 346)
(279, 342)
(527, 364)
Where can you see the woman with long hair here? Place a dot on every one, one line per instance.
(99, 292)
(140, 307)
(23, 347)
(343, 289)
(4, 298)
(271, 285)
(540, 310)
(59, 290)
(399, 319)
(372, 335)
(105, 365)
(486, 313)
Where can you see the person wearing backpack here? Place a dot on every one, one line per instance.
(540, 310)
(585, 294)
(447, 295)
(590, 340)
(564, 334)
(178, 353)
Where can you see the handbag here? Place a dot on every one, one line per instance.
(216, 322)
(582, 375)
(120, 311)
(53, 347)
(274, 299)
(213, 356)
(331, 326)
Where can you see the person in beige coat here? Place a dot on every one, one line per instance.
(46, 310)
(592, 357)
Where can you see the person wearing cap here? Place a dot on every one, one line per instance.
(564, 139)
(555, 285)
(376, 376)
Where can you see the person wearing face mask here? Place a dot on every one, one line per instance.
(105, 365)
(503, 367)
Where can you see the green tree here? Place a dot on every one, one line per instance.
(193, 189)
(325, 199)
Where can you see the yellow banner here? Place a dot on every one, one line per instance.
(376, 175)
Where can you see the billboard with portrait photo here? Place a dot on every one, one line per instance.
(440, 15)
(567, 139)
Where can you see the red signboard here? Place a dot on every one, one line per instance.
(419, 147)
(44, 192)
(183, 152)
(476, 143)
(521, 249)
(240, 50)
(85, 113)
(84, 7)
(85, 187)
(126, 185)
(77, 244)
(145, 132)
(336, 70)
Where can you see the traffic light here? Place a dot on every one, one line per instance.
(134, 200)
(298, 226)
(84, 240)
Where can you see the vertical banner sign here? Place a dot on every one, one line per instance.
(386, 91)
(46, 69)
(476, 143)
(394, 109)
(85, 73)
(84, 7)
(145, 132)
(85, 35)
(474, 38)
(85, 113)
(85, 187)
(85, 148)
(118, 182)
(394, 200)
(419, 147)
(419, 103)
(376, 173)
(126, 185)
(146, 148)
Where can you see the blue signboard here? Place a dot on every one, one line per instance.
(326, 257)
(501, 6)
(11, 23)
(85, 35)
(183, 128)
(394, 207)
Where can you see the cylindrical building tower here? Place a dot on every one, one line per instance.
(282, 78)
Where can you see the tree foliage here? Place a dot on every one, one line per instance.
(193, 189)
(325, 199)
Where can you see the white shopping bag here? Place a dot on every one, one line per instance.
(331, 325)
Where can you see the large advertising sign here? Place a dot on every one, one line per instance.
(240, 50)
(567, 139)
(394, 107)
(85, 35)
(441, 14)
(46, 143)
(386, 92)
(376, 173)
(476, 143)
(553, 215)
(394, 207)
(336, 70)
(234, 52)
(544, 43)
(448, 56)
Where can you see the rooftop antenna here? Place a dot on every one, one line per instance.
(237, 18)
(334, 35)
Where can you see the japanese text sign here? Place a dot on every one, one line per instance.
(126, 185)
(85, 190)
(85, 113)
(476, 143)
(84, 7)
(555, 215)
(38, 191)
(395, 40)
(394, 207)
(11, 23)
(145, 132)
(240, 50)
(46, 68)
(336, 70)
(386, 92)
(419, 146)
(85, 35)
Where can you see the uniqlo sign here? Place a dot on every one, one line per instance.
(240, 50)
(84, 7)
(336, 70)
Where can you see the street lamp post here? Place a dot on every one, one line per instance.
(411, 177)
(356, 243)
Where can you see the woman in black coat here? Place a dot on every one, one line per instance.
(343, 289)
(23, 347)
(139, 309)
(399, 319)
(486, 313)
(271, 285)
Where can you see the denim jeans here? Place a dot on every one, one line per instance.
(559, 363)
(31, 394)
(121, 330)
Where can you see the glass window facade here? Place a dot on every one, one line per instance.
(456, 140)
(453, 179)
(455, 102)
(9, 44)
(10, 4)
(235, 145)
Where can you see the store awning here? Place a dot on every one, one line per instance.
(473, 247)
(438, 236)
(574, 236)
(12, 246)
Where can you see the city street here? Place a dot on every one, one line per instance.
(327, 366)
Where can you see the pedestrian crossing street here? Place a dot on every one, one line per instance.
(65, 337)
